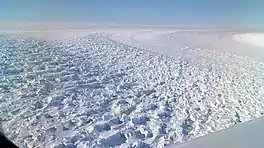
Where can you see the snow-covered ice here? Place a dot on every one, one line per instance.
(255, 39)
(95, 91)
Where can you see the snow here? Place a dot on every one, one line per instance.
(255, 39)
(97, 91)
(111, 139)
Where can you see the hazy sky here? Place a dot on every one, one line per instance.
(239, 12)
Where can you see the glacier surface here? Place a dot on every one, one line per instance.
(94, 91)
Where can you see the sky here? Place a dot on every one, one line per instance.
(207, 12)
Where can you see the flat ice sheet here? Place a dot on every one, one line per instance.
(255, 39)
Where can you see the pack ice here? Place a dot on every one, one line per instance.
(93, 91)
